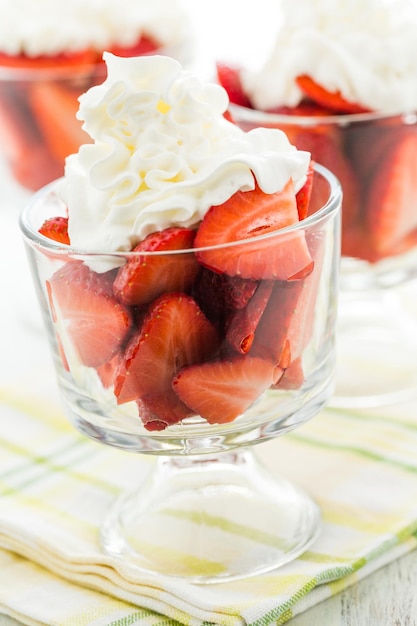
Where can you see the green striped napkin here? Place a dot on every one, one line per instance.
(55, 486)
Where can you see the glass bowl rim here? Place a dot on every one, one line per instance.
(247, 114)
(331, 205)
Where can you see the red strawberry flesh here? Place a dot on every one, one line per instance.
(220, 391)
(249, 214)
(82, 300)
(145, 276)
(174, 333)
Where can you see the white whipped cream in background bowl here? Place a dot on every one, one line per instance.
(53, 27)
(365, 50)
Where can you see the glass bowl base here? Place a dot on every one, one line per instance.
(210, 519)
(376, 351)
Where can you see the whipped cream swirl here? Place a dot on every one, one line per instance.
(37, 27)
(366, 49)
(163, 153)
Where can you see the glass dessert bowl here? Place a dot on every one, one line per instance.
(213, 363)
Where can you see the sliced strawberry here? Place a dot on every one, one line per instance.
(306, 108)
(242, 323)
(28, 158)
(174, 333)
(272, 331)
(54, 107)
(145, 276)
(288, 321)
(219, 295)
(248, 214)
(391, 204)
(145, 45)
(63, 60)
(220, 391)
(56, 228)
(83, 302)
(293, 377)
(162, 409)
(107, 370)
(325, 142)
(229, 79)
(332, 100)
(303, 196)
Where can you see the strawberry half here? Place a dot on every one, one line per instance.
(83, 302)
(145, 276)
(249, 214)
(174, 333)
(56, 228)
(229, 79)
(220, 391)
(332, 100)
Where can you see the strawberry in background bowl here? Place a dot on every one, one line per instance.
(50, 53)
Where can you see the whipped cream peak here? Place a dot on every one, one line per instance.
(54, 26)
(366, 49)
(162, 154)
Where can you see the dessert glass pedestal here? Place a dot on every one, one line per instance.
(217, 514)
(374, 157)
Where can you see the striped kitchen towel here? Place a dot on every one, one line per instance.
(55, 486)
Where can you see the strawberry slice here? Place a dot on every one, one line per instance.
(220, 391)
(160, 410)
(229, 79)
(271, 335)
(248, 214)
(145, 45)
(287, 324)
(82, 300)
(174, 333)
(293, 377)
(303, 195)
(63, 60)
(56, 228)
(145, 276)
(326, 144)
(54, 107)
(306, 108)
(219, 295)
(332, 100)
(243, 323)
(29, 160)
(391, 204)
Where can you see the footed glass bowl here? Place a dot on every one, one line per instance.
(196, 376)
